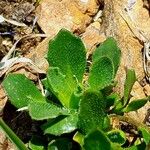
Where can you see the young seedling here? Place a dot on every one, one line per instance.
(81, 110)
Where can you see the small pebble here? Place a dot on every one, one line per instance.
(84, 1)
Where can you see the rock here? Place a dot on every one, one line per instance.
(147, 89)
(39, 54)
(116, 23)
(3, 100)
(140, 16)
(139, 115)
(5, 143)
(92, 37)
(73, 15)
(137, 91)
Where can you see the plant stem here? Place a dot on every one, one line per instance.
(14, 138)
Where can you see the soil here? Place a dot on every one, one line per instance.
(93, 21)
(22, 11)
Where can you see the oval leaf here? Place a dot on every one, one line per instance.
(96, 140)
(62, 86)
(129, 82)
(117, 136)
(21, 91)
(91, 111)
(61, 125)
(110, 50)
(40, 111)
(67, 52)
(135, 105)
(101, 74)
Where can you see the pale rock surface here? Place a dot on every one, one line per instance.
(73, 15)
(3, 99)
(115, 25)
(39, 55)
(147, 89)
(92, 37)
(123, 28)
(138, 93)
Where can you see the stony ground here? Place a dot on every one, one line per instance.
(30, 24)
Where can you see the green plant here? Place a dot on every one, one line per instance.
(12, 135)
(80, 107)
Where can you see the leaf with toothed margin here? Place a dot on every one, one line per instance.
(21, 91)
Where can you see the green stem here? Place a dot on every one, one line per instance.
(14, 138)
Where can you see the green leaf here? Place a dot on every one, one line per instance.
(91, 111)
(117, 136)
(61, 124)
(109, 89)
(79, 138)
(145, 134)
(135, 105)
(130, 80)
(67, 56)
(106, 124)
(45, 83)
(101, 74)
(36, 143)
(62, 86)
(21, 91)
(110, 50)
(116, 146)
(112, 99)
(76, 97)
(48, 92)
(67, 52)
(60, 144)
(41, 111)
(96, 140)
